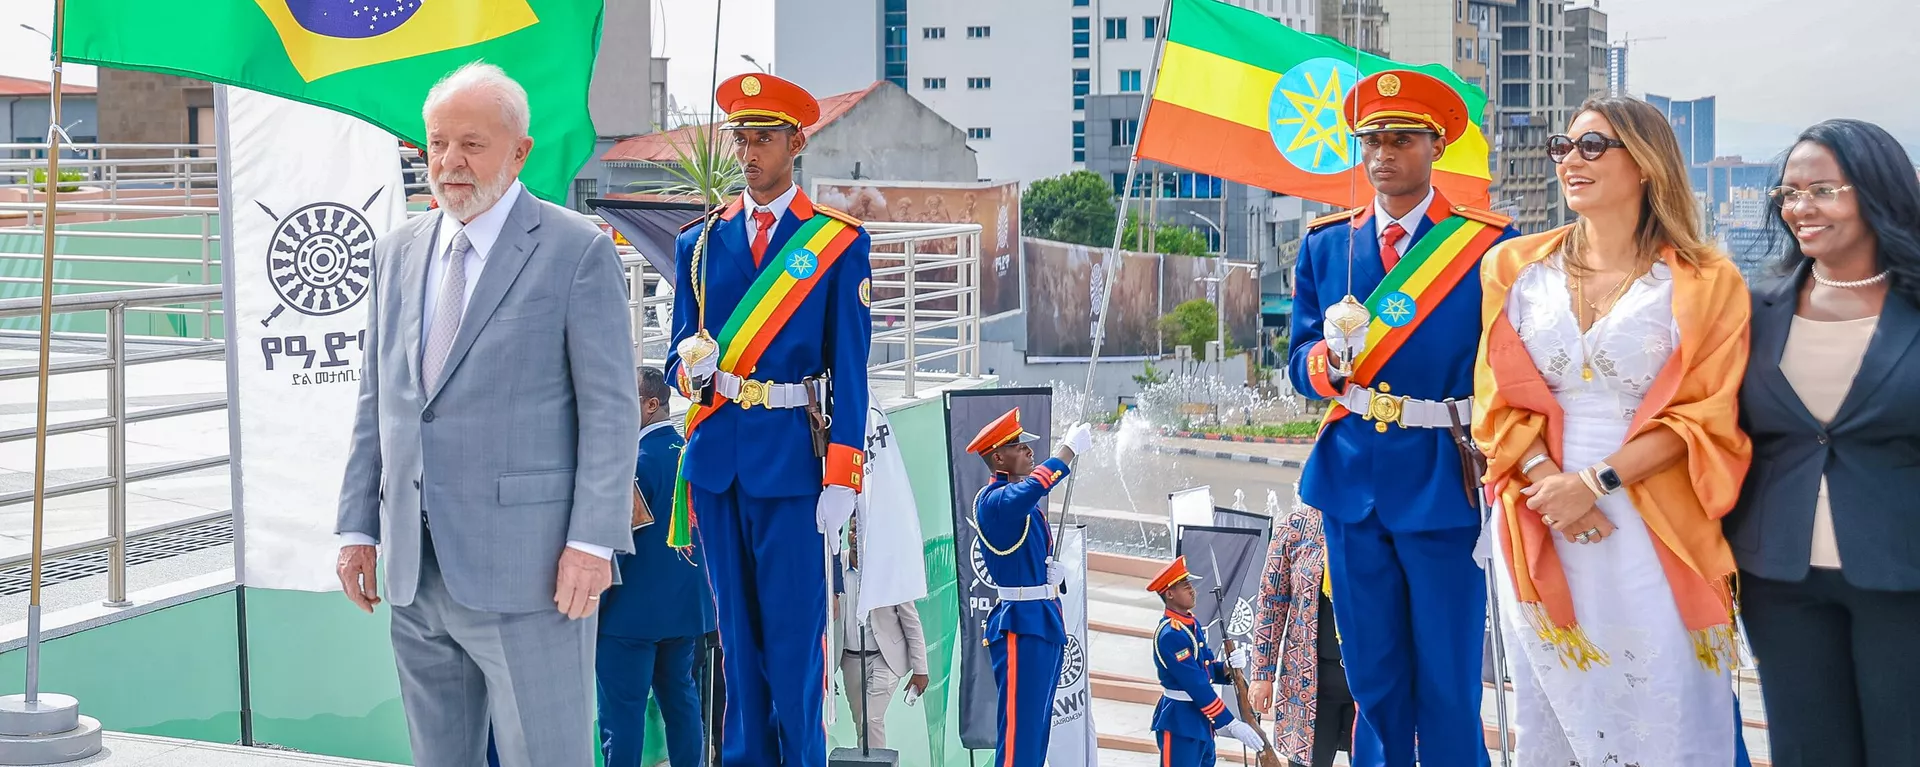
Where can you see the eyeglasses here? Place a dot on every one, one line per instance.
(1787, 197)
(1591, 144)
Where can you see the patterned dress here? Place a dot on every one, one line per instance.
(1285, 632)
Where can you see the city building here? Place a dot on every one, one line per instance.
(1617, 70)
(878, 132)
(620, 109)
(29, 103)
(152, 108)
(1588, 68)
(1735, 191)
(1358, 23)
(1167, 194)
(1016, 78)
(1532, 104)
(1693, 124)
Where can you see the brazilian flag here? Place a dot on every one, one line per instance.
(373, 59)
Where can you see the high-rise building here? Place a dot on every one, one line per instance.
(1359, 23)
(1693, 124)
(1587, 55)
(1617, 70)
(1015, 77)
(1532, 105)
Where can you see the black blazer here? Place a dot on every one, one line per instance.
(1870, 454)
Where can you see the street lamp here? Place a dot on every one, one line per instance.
(750, 60)
(1216, 227)
(30, 28)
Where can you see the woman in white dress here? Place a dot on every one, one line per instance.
(1606, 406)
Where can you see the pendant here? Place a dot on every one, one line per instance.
(1586, 372)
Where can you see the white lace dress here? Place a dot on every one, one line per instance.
(1652, 704)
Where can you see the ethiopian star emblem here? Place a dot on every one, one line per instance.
(1306, 123)
(1397, 309)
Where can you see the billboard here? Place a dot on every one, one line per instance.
(995, 206)
(1063, 297)
(1184, 278)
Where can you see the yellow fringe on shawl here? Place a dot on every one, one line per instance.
(1575, 649)
(1717, 648)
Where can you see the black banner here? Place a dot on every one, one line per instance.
(967, 413)
(1242, 520)
(1228, 561)
(650, 227)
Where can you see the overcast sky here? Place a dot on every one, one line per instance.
(1776, 66)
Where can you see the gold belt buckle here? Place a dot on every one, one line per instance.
(752, 393)
(1384, 409)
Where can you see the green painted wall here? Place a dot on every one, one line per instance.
(20, 256)
(172, 673)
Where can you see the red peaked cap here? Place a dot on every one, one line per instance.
(1405, 100)
(1004, 430)
(1175, 572)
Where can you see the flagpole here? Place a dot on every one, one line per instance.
(45, 729)
(1111, 266)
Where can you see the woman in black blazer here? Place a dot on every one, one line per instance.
(1827, 531)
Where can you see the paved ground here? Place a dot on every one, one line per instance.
(142, 751)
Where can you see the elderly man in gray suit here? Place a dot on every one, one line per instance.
(493, 450)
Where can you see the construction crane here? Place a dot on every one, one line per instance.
(1617, 62)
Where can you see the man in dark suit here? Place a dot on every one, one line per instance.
(652, 625)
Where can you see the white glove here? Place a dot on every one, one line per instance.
(1344, 347)
(836, 507)
(1078, 439)
(1243, 732)
(1240, 658)
(1056, 573)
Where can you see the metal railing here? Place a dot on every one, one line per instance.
(927, 329)
(146, 175)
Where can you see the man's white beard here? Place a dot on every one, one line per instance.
(465, 206)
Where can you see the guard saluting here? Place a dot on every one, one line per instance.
(1025, 633)
(1189, 711)
(770, 337)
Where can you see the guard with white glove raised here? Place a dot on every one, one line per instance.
(1079, 437)
(1190, 712)
(832, 513)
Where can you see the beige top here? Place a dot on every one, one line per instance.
(1820, 361)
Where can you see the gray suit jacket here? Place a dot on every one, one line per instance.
(527, 442)
(896, 632)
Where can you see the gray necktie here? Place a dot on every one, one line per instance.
(452, 304)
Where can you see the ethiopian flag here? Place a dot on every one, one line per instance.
(373, 59)
(1247, 98)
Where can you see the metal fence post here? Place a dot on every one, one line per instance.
(117, 456)
(913, 362)
(206, 274)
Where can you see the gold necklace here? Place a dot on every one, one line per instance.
(1580, 294)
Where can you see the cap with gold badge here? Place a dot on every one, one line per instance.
(1405, 100)
(1175, 572)
(1003, 431)
(762, 101)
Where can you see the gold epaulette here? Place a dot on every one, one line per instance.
(1487, 217)
(1334, 218)
(838, 215)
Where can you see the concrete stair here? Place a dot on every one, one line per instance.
(1121, 616)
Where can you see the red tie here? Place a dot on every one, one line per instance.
(1390, 245)
(763, 220)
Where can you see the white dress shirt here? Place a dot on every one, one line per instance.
(1409, 222)
(482, 232)
(778, 208)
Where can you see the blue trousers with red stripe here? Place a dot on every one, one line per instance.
(1176, 751)
(766, 560)
(1028, 671)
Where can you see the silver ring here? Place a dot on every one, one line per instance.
(1548, 520)
(595, 598)
(1584, 537)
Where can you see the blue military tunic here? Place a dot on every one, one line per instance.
(1410, 600)
(1025, 638)
(1189, 711)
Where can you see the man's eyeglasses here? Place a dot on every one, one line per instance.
(1591, 144)
(1787, 197)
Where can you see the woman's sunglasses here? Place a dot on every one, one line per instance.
(1591, 144)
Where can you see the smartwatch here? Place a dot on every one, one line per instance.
(1608, 478)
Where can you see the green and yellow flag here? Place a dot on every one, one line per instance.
(1249, 99)
(373, 59)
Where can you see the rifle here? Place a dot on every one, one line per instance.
(1267, 756)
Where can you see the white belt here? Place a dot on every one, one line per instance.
(1026, 593)
(1404, 412)
(1176, 695)
(748, 393)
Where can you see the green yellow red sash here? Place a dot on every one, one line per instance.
(782, 286)
(1415, 286)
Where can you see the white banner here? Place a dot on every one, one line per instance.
(893, 560)
(1074, 742)
(305, 192)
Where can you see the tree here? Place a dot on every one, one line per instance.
(1076, 207)
(1193, 323)
(1167, 238)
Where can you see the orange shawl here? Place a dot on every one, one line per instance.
(1695, 395)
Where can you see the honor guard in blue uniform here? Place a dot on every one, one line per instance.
(1190, 712)
(1386, 325)
(653, 625)
(771, 329)
(1025, 634)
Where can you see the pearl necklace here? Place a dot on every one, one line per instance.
(1848, 284)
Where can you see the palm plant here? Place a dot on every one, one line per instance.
(700, 168)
